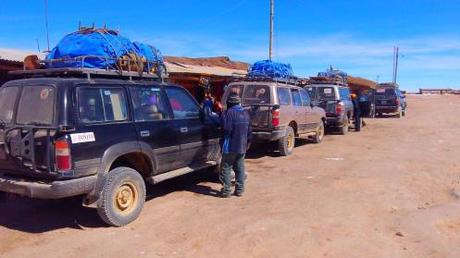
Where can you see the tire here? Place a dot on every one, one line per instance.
(319, 133)
(122, 197)
(344, 129)
(399, 114)
(287, 143)
(3, 197)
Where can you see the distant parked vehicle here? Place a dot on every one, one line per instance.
(390, 100)
(336, 101)
(280, 111)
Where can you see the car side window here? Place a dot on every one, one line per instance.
(344, 94)
(306, 101)
(311, 92)
(284, 96)
(149, 104)
(97, 105)
(182, 104)
(296, 99)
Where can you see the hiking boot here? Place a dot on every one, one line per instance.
(225, 194)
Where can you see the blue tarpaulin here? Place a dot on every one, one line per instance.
(101, 47)
(267, 68)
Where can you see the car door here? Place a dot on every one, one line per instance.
(196, 137)
(103, 120)
(301, 112)
(312, 116)
(155, 126)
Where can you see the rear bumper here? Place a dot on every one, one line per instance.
(335, 121)
(386, 109)
(269, 136)
(47, 190)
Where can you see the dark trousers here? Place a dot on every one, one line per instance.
(235, 162)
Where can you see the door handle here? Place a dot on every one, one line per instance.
(183, 129)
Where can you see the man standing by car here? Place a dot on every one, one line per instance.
(236, 124)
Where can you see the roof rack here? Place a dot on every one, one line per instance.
(125, 68)
(328, 80)
(292, 80)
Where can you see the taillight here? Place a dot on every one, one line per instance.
(397, 101)
(276, 117)
(63, 157)
(339, 108)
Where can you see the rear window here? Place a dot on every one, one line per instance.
(325, 93)
(102, 105)
(256, 94)
(385, 92)
(284, 96)
(8, 97)
(36, 106)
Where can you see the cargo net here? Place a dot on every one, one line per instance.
(331, 76)
(104, 49)
(270, 69)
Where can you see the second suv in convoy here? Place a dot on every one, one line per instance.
(280, 111)
(99, 138)
(390, 100)
(336, 101)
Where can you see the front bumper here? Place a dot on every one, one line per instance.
(269, 136)
(47, 190)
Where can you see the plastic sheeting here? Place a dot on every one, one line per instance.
(101, 48)
(267, 68)
(334, 73)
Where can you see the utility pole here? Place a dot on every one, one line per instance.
(395, 64)
(272, 13)
(46, 25)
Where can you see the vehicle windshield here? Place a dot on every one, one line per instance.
(385, 93)
(326, 93)
(256, 94)
(7, 99)
(36, 106)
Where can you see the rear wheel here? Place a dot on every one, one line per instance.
(122, 197)
(319, 133)
(287, 143)
(344, 129)
(399, 114)
(3, 197)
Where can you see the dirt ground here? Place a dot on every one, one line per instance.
(391, 190)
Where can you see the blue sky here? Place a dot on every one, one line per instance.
(356, 36)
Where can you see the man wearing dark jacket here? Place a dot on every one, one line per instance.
(236, 124)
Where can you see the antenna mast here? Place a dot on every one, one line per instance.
(46, 25)
(272, 13)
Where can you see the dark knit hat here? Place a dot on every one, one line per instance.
(233, 99)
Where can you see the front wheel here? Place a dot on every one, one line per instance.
(122, 197)
(287, 143)
(319, 133)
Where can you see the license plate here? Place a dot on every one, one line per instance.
(384, 102)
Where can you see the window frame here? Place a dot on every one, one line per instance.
(173, 116)
(15, 103)
(162, 93)
(102, 87)
(19, 98)
(292, 90)
(289, 94)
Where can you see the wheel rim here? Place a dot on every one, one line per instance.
(126, 198)
(290, 141)
(320, 132)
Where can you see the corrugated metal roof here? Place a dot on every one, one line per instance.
(16, 55)
(205, 70)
